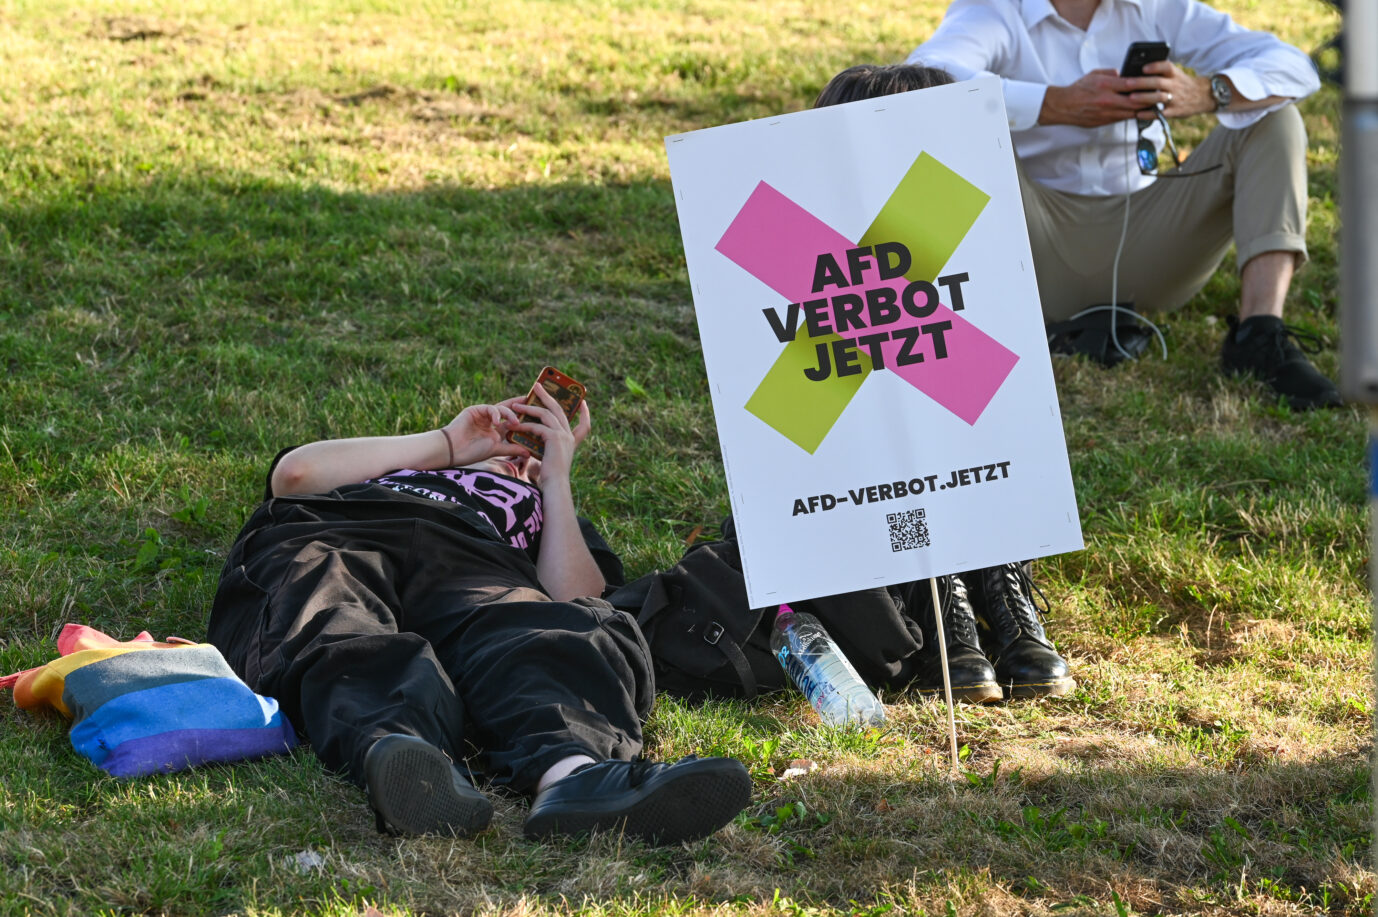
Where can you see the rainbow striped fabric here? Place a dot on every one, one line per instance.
(142, 707)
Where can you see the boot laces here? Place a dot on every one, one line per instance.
(958, 621)
(1023, 595)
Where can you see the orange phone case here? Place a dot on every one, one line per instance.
(568, 392)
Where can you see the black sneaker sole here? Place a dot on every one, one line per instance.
(676, 807)
(414, 789)
(1055, 687)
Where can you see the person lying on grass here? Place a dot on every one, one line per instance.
(426, 610)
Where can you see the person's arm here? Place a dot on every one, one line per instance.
(1263, 72)
(1100, 97)
(1103, 97)
(319, 467)
(563, 564)
(975, 39)
(1184, 94)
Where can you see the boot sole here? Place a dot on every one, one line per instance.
(671, 810)
(413, 789)
(985, 693)
(1056, 687)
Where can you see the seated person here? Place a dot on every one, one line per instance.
(996, 643)
(1077, 125)
(426, 608)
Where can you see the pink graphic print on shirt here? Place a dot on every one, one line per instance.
(512, 507)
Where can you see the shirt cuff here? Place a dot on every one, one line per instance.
(1248, 86)
(1023, 102)
(1246, 83)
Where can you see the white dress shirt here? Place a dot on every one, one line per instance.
(1030, 47)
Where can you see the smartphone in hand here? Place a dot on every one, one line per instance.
(1140, 53)
(566, 391)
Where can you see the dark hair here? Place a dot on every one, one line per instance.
(867, 81)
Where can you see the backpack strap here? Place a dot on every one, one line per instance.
(718, 636)
(657, 600)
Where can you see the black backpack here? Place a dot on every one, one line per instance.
(706, 642)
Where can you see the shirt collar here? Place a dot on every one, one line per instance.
(1035, 11)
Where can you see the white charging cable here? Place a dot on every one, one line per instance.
(1115, 307)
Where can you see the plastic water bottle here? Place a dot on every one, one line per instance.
(815, 664)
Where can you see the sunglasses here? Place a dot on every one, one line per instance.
(1147, 153)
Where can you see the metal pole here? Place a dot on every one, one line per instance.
(1359, 251)
(1373, 588)
(1359, 205)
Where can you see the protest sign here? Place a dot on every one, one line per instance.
(874, 344)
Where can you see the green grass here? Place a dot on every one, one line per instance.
(228, 228)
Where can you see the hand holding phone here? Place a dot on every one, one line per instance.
(568, 393)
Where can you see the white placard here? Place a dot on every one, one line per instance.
(874, 344)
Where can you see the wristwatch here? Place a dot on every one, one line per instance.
(1221, 92)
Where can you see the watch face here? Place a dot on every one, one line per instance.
(1220, 91)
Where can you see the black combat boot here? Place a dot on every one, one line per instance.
(1026, 662)
(973, 679)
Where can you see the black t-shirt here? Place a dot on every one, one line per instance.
(510, 505)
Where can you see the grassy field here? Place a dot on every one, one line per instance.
(229, 227)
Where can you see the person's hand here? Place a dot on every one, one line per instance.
(1104, 97)
(1181, 94)
(1100, 97)
(547, 420)
(478, 432)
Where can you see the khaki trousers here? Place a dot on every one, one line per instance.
(1179, 228)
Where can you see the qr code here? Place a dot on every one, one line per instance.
(908, 530)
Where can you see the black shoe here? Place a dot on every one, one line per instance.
(1094, 333)
(661, 804)
(1275, 353)
(968, 669)
(413, 788)
(1026, 662)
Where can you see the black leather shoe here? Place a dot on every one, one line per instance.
(661, 804)
(1026, 662)
(971, 674)
(1267, 349)
(413, 788)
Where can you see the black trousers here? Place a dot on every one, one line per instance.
(365, 612)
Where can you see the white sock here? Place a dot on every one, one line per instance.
(561, 769)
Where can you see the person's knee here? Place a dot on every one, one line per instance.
(1283, 129)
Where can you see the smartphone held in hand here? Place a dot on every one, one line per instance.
(567, 392)
(1141, 53)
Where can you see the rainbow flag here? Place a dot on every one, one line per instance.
(143, 707)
